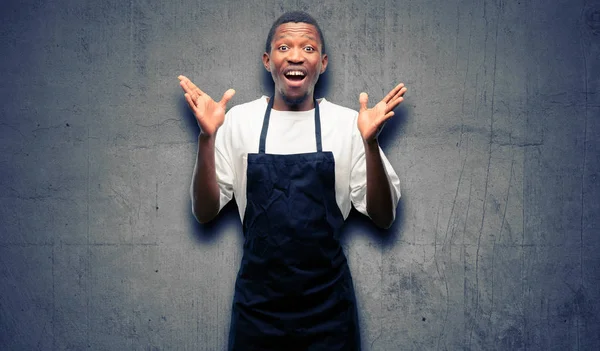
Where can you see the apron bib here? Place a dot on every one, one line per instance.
(294, 290)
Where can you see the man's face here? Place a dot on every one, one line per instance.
(295, 61)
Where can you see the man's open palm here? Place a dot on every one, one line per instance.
(210, 114)
(371, 120)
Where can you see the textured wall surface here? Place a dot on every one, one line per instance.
(497, 239)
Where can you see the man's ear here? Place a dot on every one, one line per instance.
(267, 62)
(324, 61)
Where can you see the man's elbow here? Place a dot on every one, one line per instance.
(201, 219)
(385, 223)
(382, 219)
(203, 215)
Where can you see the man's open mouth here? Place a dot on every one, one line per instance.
(295, 75)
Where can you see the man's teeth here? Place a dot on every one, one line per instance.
(294, 73)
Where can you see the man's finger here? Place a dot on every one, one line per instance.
(184, 86)
(188, 89)
(226, 97)
(363, 99)
(392, 104)
(190, 101)
(197, 90)
(393, 92)
(189, 86)
(397, 99)
(399, 93)
(194, 88)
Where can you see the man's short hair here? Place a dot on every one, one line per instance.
(296, 17)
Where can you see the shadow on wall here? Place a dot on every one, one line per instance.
(209, 232)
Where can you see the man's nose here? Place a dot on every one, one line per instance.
(296, 55)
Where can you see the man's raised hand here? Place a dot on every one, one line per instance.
(210, 115)
(371, 120)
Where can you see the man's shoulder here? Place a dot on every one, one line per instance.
(256, 104)
(339, 110)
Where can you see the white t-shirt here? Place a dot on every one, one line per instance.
(292, 132)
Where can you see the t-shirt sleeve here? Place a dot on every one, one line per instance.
(358, 176)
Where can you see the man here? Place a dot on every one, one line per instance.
(295, 166)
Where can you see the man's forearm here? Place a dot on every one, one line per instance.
(205, 190)
(379, 194)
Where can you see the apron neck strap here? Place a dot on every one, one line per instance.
(265, 127)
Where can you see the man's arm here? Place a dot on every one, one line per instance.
(380, 206)
(210, 115)
(205, 190)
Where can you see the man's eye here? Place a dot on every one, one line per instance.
(283, 47)
(309, 48)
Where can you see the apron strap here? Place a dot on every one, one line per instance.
(265, 127)
(318, 127)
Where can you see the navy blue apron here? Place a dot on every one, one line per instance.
(294, 290)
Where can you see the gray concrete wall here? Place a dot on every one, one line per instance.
(496, 243)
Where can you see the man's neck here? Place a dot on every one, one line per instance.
(280, 104)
